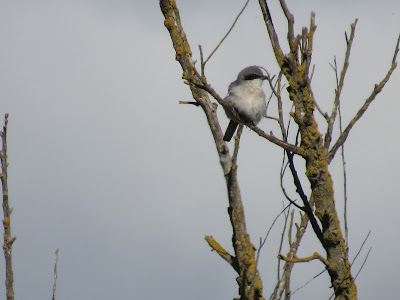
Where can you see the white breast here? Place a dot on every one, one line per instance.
(248, 99)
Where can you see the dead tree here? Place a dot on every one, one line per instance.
(315, 148)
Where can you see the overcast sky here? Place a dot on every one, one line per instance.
(107, 166)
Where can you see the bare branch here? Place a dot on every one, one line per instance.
(309, 281)
(8, 240)
(346, 227)
(249, 280)
(282, 173)
(290, 228)
(225, 36)
(271, 32)
(280, 107)
(226, 105)
(270, 228)
(262, 242)
(190, 102)
(237, 142)
(339, 88)
(55, 276)
(281, 240)
(283, 283)
(270, 137)
(316, 255)
(307, 207)
(202, 64)
(361, 247)
(309, 49)
(377, 89)
(290, 20)
(362, 266)
(222, 252)
(355, 258)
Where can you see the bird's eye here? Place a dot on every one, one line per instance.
(251, 77)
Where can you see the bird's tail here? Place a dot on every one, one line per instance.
(230, 131)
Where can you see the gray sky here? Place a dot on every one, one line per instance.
(106, 166)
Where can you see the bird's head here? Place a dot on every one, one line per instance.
(251, 73)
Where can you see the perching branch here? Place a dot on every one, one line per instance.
(270, 137)
(8, 240)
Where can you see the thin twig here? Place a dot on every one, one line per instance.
(354, 259)
(271, 32)
(281, 241)
(290, 20)
(201, 61)
(346, 227)
(55, 276)
(361, 247)
(226, 35)
(262, 241)
(282, 173)
(339, 86)
(8, 240)
(283, 283)
(377, 89)
(237, 142)
(309, 281)
(362, 266)
(189, 102)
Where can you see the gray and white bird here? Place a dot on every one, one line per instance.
(247, 97)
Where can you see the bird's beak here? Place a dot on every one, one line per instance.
(264, 77)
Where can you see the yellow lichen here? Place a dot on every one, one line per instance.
(6, 222)
(215, 245)
(169, 24)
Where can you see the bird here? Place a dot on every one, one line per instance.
(247, 98)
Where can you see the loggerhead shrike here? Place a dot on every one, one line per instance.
(247, 97)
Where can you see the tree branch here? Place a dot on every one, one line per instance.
(270, 137)
(271, 32)
(316, 255)
(339, 87)
(55, 276)
(377, 89)
(8, 240)
(244, 249)
(225, 36)
(222, 252)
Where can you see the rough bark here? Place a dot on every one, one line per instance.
(243, 262)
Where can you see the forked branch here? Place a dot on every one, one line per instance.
(316, 255)
(339, 87)
(377, 89)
